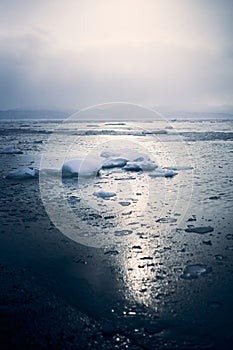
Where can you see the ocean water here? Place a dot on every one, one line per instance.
(167, 268)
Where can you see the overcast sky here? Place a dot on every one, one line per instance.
(76, 53)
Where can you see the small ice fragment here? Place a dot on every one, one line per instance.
(178, 167)
(200, 230)
(123, 232)
(163, 173)
(166, 220)
(220, 258)
(214, 197)
(155, 132)
(125, 178)
(37, 141)
(103, 194)
(124, 204)
(11, 150)
(193, 218)
(111, 252)
(23, 173)
(207, 242)
(194, 271)
(108, 154)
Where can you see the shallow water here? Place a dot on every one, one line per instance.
(178, 282)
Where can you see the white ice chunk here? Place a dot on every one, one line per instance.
(23, 173)
(81, 167)
(11, 149)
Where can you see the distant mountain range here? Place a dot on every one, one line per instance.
(35, 114)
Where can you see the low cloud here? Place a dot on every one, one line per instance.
(39, 66)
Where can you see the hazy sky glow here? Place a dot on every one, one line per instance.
(75, 53)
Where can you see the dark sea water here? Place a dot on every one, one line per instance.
(154, 261)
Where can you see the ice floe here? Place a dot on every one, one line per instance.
(81, 167)
(179, 167)
(104, 195)
(194, 271)
(123, 233)
(166, 220)
(124, 204)
(128, 160)
(11, 149)
(23, 173)
(201, 230)
(140, 165)
(154, 132)
(159, 172)
(126, 153)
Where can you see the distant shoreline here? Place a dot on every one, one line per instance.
(116, 121)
